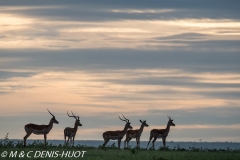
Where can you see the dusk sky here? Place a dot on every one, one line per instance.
(100, 59)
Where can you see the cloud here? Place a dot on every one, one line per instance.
(122, 59)
(7, 74)
(108, 28)
(145, 60)
(92, 10)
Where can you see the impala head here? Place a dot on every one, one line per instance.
(144, 123)
(128, 124)
(170, 121)
(53, 118)
(77, 119)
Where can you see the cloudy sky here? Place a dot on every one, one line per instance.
(143, 59)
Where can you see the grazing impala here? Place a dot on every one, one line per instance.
(71, 132)
(161, 133)
(39, 129)
(113, 135)
(135, 134)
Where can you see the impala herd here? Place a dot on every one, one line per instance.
(70, 133)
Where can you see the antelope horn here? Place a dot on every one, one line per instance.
(122, 119)
(69, 115)
(74, 115)
(126, 118)
(50, 113)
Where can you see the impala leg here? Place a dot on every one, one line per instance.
(65, 139)
(105, 142)
(138, 142)
(105, 139)
(150, 138)
(73, 141)
(164, 142)
(25, 138)
(155, 138)
(45, 137)
(68, 139)
(119, 143)
(125, 143)
(128, 142)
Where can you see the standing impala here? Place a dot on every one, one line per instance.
(71, 132)
(39, 129)
(135, 134)
(113, 135)
(161, 133)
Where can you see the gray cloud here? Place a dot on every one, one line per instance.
(193, 61)
(7, 74)
(95, 11)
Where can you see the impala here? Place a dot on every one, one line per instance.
(71, 132)
(161, 133)
(39, 129)
(116, 135)
(135, 134)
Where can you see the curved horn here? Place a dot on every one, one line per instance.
(74, 115)
(122, 119)
(69, 115)
(50, 113)
(126, 118)
(77, 117)
(169, 117)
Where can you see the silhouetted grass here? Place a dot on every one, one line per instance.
(112, 152)
(6, 143)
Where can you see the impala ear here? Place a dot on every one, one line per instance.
(140, 121)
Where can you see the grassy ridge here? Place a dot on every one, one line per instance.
(112, 153)
(115, 154)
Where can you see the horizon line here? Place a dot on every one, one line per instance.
(141, 141)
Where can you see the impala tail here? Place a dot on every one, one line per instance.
(26, 128)
(104, 136)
